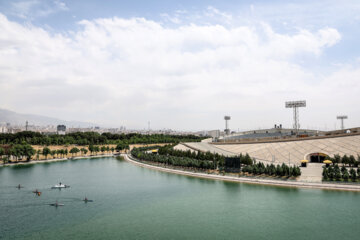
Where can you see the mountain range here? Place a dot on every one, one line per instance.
(14, 118)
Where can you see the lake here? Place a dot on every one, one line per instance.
(131, 202)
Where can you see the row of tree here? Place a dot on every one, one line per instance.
(94, 138)
(245, 163)
(173, 160)
(20, 151)
(170, 151)
(272, 170)
(335, 173)
(346, 160)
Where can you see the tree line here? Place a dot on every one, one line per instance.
(191, 159)
(346, 160)
(282, 170)
(140, 153)
(24, 150)
(335, 173)
(94, 138)
(169, 150)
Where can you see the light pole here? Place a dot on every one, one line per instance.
(295, 105)
(342, 120)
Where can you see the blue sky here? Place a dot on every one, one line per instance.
(177, 49)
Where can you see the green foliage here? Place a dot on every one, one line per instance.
(345, 159)
(340, 174)
(2, 152)
(52, 153)
(272, 170)
(217, 159)
(169, 156)
(172, 160)
(46, 151)
(84, 151)
(352, 160)
(92, 138)
(21, 150)
(353, 174)
(336, 159)
(122, 146)
(74, 150)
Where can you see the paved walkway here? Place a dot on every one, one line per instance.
(312, 173)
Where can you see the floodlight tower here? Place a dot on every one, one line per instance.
(227, 130)
(295, 105)
(342, 120)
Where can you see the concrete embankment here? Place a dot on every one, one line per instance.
(281, 183)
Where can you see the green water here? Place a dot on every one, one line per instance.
(131, 202)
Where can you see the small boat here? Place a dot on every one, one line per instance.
(37, 192)
(60, 185)
(86, 200)
(56, 204)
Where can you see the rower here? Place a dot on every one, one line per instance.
(19, 186)
(86, 200)
(37, 192)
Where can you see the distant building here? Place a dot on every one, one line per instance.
(61, 129)
(214, 133)
(3, 129)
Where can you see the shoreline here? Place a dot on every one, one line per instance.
(54, 160)
(278, 183)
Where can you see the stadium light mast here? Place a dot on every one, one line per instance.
(342, 120)
(227, 130)
(295, 105)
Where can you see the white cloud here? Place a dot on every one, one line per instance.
(128, 71)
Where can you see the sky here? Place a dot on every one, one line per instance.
(182, 65)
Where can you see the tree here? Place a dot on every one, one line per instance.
(91, 149)
(53, 153)
(336, 159)
(353, 174)
(112, 149)
(352, 160)
(74, 150)
(123, 146)
(338, 176)
(38, 152)
(346, 175)
(2, 152)
(46, 151)
(84, 150)
(59, 152)
(325, 174)
(15, 151)
(28, 151)
(103, 149)
(96, 149)
(345, 159)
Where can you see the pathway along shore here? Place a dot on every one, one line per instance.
(281, 183)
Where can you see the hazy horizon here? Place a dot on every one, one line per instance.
(182, 64)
